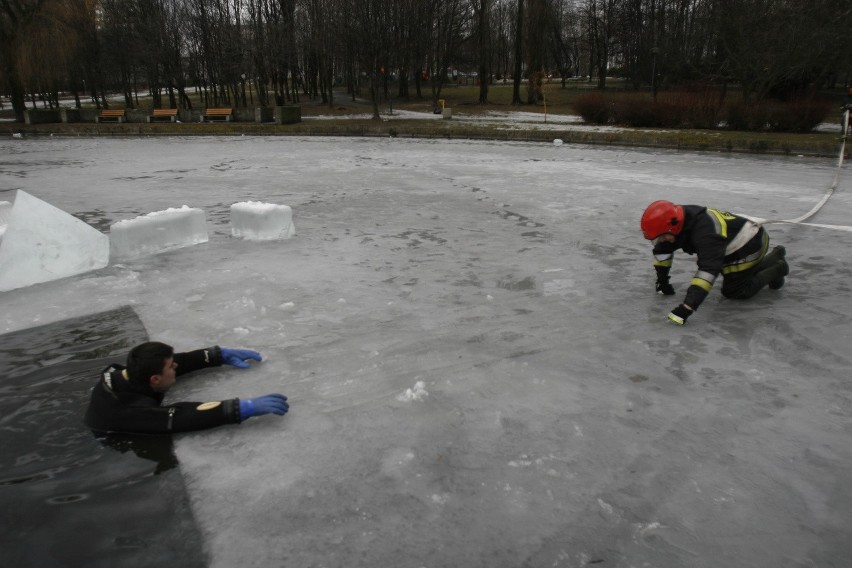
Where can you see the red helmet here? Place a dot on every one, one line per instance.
(662, 217)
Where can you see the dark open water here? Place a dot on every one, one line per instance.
(66, 497)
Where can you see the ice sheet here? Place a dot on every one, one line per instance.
(479, 369)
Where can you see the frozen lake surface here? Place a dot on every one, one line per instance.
(479, 371)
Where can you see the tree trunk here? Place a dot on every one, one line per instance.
(483, 37)
(16, 91)
(374, 94)
(519, 39)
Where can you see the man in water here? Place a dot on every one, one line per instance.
(129, 399)
(725, 244)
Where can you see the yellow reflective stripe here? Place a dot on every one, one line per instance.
(701, 283)
(740, 267)
(676, 319)
(721, 221)
(724, 214)
(663, 260)
(751, 260)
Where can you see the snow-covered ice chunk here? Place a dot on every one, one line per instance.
(257, 221)
(43, 243)
(415, 393)
(158, 231)
(5, 213)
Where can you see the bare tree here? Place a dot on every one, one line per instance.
(411, 32)
(37, 38)
(422, 22)
(519, 42)
(536, 47)
(234, 52)
(451, 21)
(501, 41)
(601, 19)
(482, 15)
(565, 39)
(368, 32)
(781, 48)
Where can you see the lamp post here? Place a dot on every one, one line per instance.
(654, 51)
(243, 82)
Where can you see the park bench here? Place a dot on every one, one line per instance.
(213, 114)
(107, 114)
(163, 114)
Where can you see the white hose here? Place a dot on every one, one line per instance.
(828, 193)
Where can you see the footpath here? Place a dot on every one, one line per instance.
(492, 125)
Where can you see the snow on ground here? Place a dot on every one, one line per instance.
(480, 373)
(513, 120)
(504, 119)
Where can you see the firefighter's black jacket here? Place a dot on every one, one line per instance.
(725, 244)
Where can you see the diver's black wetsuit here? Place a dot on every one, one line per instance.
(120, 405)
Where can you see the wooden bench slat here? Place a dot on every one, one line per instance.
(118, 114)
(223, 113)
(163, 113)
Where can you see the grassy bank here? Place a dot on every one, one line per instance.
(812, 144)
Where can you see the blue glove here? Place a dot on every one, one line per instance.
(680, 314)
(239, 357)
(266, 404)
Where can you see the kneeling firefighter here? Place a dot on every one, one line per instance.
(726, 244)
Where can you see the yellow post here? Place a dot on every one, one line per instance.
(442, 103)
